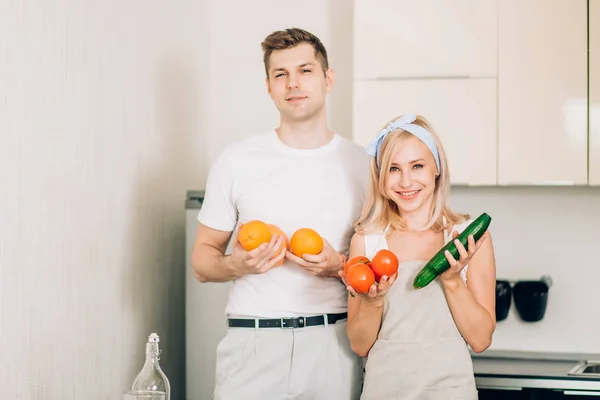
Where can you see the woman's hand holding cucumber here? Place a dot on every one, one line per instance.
(464, 255)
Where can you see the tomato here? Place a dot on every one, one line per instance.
(360, 277)
(356, 260)
(384, 263)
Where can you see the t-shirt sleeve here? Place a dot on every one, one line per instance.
(218, 209)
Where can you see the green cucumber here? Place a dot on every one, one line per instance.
(438, 263)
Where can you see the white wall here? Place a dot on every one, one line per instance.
(109, 112)
(545, 231)
(101, 110)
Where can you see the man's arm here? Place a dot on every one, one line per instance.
(209, 262)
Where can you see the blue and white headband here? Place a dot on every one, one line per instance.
(406, 123)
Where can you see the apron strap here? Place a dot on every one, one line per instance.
(447, 232)
(375, 242)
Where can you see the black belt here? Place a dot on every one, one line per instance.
(286, 322)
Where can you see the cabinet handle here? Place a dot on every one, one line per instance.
(421, 78)
(492, 387)
(580, 393)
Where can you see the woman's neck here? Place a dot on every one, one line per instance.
(414, 221)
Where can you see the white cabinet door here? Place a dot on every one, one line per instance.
(594, 169)
(542, 92)
(462, 111)
(433, 38)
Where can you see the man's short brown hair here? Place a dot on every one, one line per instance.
(288, 38)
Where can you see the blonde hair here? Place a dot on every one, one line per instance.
(380, 211)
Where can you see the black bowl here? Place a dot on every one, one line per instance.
(503, 299)
(531, 299)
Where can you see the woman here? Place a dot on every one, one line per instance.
(415, 340)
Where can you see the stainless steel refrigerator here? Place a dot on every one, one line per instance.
(204, 315)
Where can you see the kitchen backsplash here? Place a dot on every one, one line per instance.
(540, 231)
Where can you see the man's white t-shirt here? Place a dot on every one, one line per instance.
(261, 178)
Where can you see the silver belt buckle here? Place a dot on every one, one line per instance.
(298, 322)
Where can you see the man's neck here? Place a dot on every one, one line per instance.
(309, 134)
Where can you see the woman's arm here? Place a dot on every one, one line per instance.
(473, 305)
(364, 310)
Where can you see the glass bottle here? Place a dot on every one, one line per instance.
(151, 377)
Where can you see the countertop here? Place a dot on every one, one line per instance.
(514, 370)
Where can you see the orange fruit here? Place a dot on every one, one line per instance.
(360, 277)
(356, 260)
(252, 234)
(306, 241)
(276, 231)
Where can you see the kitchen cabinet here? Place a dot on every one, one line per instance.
(542, 92)
(426, 38)
(535, 394)
(462, 112)
(579, 395)
(594, 76)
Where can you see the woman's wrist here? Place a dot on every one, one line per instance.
(372, 303)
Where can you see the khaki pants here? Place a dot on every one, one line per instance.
(313, 363)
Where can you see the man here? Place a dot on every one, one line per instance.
(287, 324)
